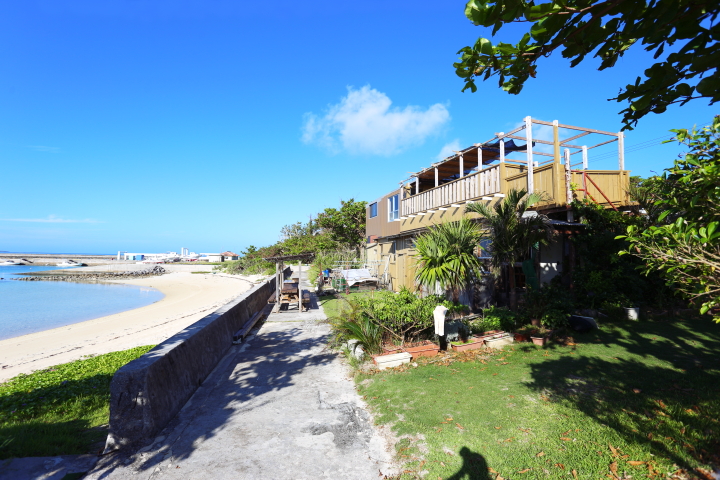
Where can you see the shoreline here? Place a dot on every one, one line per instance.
(188, 297)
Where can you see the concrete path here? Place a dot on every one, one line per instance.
(279, 406)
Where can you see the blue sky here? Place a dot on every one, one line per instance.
(151, 126)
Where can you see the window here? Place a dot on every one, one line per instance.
(393, 208)
(373, 210)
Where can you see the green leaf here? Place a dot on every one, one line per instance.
(708, 86)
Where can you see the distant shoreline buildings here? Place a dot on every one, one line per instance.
(185, 255)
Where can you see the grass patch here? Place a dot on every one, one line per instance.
(59, 410)
(635, 399)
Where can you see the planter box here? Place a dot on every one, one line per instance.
(499, 342)
(429, 349)
(473, 343)
(392, 360)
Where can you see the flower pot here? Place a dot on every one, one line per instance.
(427, 349)
(535, 322)
(522, 337)
(632, 313)
(540, 341)
(473, 343)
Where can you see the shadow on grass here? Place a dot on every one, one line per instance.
(53, 420)
(39, 439)
(673, 410)
(474, 466)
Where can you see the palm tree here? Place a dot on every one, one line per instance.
(513, 234)
(446, 257)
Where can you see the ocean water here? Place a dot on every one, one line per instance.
(28, 307)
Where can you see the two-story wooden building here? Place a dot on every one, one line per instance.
(558, 166)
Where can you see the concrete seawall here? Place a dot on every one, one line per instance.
(148, 392)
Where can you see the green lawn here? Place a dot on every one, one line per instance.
(60, 410)
(635, 399)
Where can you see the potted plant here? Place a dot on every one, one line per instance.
(539, 336)
(522, 334)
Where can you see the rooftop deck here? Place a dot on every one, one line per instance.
(472, 174)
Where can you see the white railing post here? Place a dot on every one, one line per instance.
(530, 164)
(417, 185)
(585, 158)
(462, 166)
(621, 151)
(501, 144)
(437, 179)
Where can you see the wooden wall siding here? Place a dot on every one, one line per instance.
(379, 225)
(470, 187)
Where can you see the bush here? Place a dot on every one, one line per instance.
(555, 318)
(494, 318)
(401, 316)
(548, 303)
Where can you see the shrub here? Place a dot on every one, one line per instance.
(402, 316)
(551, 300)
(355, 325)
(554, 318)
(494, 318)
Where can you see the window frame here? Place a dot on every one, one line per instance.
(393, 210)
(373, 210)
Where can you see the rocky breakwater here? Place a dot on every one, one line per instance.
(93, 276)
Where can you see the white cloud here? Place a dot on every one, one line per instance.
(449, 149)
(364, 122)
(42, 148)
(50, 219)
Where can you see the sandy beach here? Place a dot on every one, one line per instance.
(188, 297)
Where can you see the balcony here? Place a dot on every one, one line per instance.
(487, 171)
(480, 185)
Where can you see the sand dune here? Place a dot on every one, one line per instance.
(188, 297)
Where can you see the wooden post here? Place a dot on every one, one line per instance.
(530, 164)
(621, 151)
(503, 178)
(417, 185)
(299, 286)
(556, 141)
(568, 189)
(278, 271)
(585, 157)
(502, 147)
(462, 166)
(437, 178)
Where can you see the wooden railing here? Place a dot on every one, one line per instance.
(471, 187)
(548, 179)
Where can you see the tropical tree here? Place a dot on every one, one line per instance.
(684, 243)
(346, 226)
(445, 256)
(605, 29)
(511, 232)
